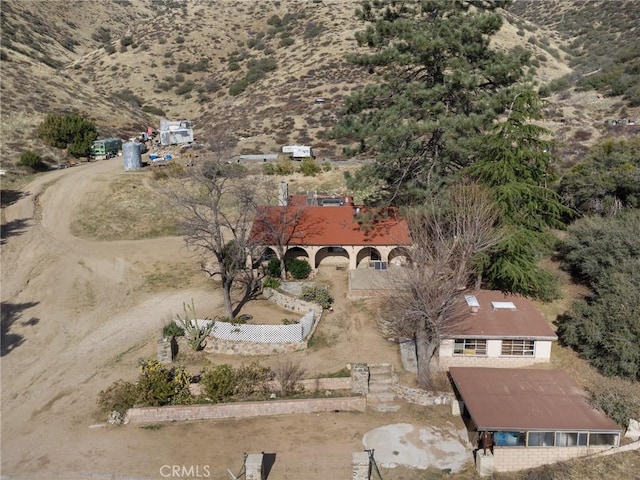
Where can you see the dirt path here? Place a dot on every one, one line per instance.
(73, 322)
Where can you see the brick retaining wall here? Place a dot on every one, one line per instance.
(243, 409)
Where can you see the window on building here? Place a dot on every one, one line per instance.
(518, 348)
(470, 346)
(510, 439)
(540, 439)
(571, 439)
(599, 439)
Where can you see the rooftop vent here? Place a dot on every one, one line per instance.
(503, 305)
(472, 303)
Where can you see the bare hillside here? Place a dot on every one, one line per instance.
(251, 68)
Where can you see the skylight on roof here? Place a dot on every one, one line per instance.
(503, 305)
(472, 301)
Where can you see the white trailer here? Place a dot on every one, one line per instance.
(175, 132)
(298, 152)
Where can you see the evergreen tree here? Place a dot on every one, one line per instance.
(514, 162)
(438, 86)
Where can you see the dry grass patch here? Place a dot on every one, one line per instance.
(126, 208)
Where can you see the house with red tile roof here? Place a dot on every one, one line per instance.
(534, 417)
(331, 230)
(496, 330)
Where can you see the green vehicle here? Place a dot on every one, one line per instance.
(107, 148)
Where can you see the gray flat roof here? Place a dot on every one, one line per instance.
(514, 399)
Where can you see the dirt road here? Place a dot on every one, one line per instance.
(73, 322)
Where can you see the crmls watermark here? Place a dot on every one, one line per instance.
(185, 471)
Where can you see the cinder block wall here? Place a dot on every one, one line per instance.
(512, 459)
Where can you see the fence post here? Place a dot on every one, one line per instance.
(360, 466)
(360, 378)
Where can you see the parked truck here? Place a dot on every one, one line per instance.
(106, 148)
(298, 152)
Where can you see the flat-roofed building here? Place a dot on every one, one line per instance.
(536, 416)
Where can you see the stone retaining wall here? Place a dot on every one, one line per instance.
(236, 347)
(289, 302)
(243, 409)
(422, 397)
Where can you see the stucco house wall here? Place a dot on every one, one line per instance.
(493, 358)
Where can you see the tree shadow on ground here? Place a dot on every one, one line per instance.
(9, 197)
(10, 313)
(13, 228)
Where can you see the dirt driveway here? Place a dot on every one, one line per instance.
(73, 322)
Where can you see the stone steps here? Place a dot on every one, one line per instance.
(381, 396)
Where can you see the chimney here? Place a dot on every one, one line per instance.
(283, 194)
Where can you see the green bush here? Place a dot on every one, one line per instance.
(172, 329)
(236, 88)
(218, 383)
(319, 295)
(30, 159)
(159, 385)
(70, 131)
(153, 110)
(185, 88)
(286, 41)
(120, 396)
(281, 167)
(273, 268)
(298, 268)
(271, 282)
(309, 167)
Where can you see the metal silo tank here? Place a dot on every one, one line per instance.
(131, 156)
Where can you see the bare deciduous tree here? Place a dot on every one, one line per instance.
(217, 202)
(448, 235)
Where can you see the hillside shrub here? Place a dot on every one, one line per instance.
(236, 88)
(309, 167)
(298, 268)
(153, 110)
(617, 398)
(31, 159)
(185, 88)
(315, 294)
(283, 166)
(70, 131)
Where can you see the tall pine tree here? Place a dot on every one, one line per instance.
(438, 86)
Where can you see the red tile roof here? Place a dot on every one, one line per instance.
(525, 322)
(328, 226)
(513, 399)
